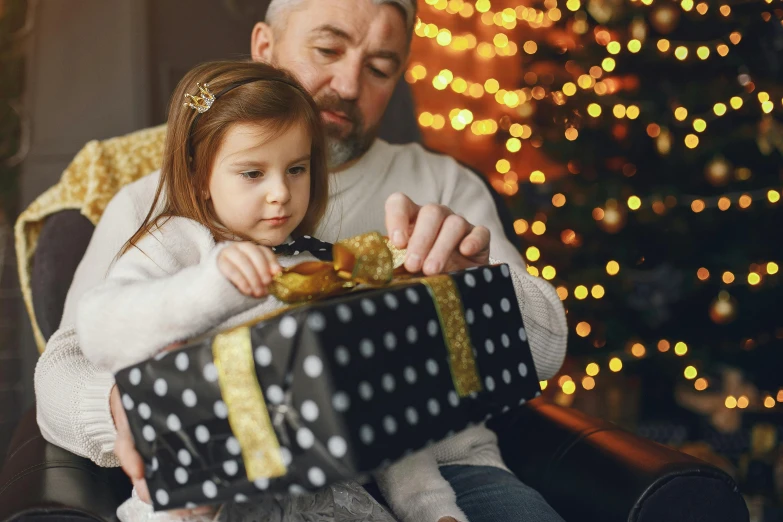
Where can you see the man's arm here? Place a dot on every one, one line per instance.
(464, 229)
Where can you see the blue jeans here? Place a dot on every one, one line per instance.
(487, 494)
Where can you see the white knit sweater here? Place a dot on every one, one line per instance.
(72, 393)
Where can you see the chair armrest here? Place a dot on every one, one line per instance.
(41, 481)
(588, 469)
(61, 246)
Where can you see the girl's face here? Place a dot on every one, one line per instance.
(260, 182)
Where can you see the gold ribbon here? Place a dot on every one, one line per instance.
(451, 315)
(367, 259)
(247, 414)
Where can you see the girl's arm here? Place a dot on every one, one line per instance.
(417, 492)
(148, 302)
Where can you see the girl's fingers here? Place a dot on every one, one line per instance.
(260, 262)
(235, 275)
(274, 264)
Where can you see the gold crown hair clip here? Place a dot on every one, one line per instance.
(202, 103)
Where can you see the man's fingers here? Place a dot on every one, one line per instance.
(425, 231)
(476, 243)
(453, 230)
(400, 213)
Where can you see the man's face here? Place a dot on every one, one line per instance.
(349, 54)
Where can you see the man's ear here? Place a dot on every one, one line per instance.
(262, 41)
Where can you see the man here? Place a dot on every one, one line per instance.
(349, 54)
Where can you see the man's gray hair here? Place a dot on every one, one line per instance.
(277, 9)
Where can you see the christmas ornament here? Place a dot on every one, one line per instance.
(664, 19)
(613, 220)
(715, 404)
(638, 29)
(718, 171)
(664, 142)
(770, 136)
(723, 309)
(603, 11)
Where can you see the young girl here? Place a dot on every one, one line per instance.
(244, 171)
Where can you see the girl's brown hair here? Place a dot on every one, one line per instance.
(268, 96)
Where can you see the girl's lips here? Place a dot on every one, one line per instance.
(276, 222)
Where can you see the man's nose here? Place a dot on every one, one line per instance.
(346, 78)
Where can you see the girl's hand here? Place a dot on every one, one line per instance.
(249, 267)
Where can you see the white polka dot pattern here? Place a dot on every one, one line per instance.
(395, 392)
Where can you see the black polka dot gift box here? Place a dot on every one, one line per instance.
(328, 390)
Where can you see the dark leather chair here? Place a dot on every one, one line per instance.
(587, 469)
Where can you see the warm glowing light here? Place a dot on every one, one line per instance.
(520, 226)
(745, 201)
(680, 348)
(615, 364)
(664, 45)
(583, 329)
(663, 346)
(513, 145)
(703, 274)
(569, 387)
(638, 350)
(773, 196)
(681, 52)
(632, 112)
(699, 125)
(608, 64)
(719, 109)
(538, 228)
(592, 369)
(736, 102)
(612, 268)
(700, 384)
(703, 52)
(533, 253)
(580, 292)
(754, 279)
(537, 177)
(691, 141)
(743, 402)
(772, 268)
(728, 278)
(597, 291)
(724, 203)
(588, 383)
(681, 113)
(769, 402)
(697, 205)
(558, 200)
(690, 373)
(731, 402)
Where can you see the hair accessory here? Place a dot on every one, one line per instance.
(201, 104)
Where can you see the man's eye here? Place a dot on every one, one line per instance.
(327, 52)
(252, 174)
(379, 73)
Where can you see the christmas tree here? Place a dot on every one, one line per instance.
(640, 146)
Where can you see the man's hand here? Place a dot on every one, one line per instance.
(130, 460)
(437, 239)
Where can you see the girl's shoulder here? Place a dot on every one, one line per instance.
(182, 240)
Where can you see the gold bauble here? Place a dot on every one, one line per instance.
(718, 171)
(613, 220)
(723, 309)
(665, 18)
(605, 10)
(639, 29)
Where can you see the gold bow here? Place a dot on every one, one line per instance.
(368, 259)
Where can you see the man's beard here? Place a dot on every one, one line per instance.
(342, 149)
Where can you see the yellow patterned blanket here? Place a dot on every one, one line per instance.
(94, 176)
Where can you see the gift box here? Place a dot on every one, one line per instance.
(331, 389)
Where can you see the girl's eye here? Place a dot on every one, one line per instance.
(297, 170)
(252, 174)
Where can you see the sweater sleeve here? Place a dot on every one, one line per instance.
(542, 310)
(71, 393)
(148, 302)
(72, 400)
(417, 492)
